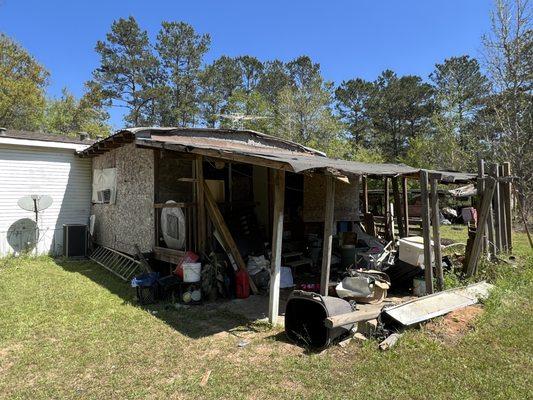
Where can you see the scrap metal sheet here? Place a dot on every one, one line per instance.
(435, 305)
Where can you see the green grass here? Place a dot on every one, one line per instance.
(72, 330)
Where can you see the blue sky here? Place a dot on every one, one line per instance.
(348, 38)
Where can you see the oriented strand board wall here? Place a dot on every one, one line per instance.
(130, 220)
(346, 199)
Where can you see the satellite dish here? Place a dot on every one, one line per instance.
(35, 202)
(173, 226)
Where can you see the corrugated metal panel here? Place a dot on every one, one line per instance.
(58, 173)
(257, 148)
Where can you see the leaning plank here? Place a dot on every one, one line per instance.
(220, 225)
(437, 304)
(351, 317)
(490, 185)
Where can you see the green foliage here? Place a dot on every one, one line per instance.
(70, 116)
(180, 51)
(22, 85)
(218, 82)
(508, 51)
(128, 72)
(303, 108)
(352, 101)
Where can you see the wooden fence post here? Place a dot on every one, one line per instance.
(426, 226)
(434, 199)
(480, 189)
(507, 206)
(405, 204)
(503, 217)
(497, 210)
(398, 206)
(475, 251)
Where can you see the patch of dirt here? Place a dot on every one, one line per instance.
(453, 326)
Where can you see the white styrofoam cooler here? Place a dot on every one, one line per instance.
(412, 251)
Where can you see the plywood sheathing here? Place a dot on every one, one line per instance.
(314, 205)
(130, 220)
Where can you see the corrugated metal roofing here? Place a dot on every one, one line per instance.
(258, 148)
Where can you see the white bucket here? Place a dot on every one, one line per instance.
(191, 272)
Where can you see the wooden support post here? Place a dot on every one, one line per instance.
(277, 236)
(507, 206)
(200, 199)
(365, 195)
(405, 204)
(503, 219)
(480, 189)
(426, 226)
(434, 199)
(356, 182)
(386, 207)
(398, 206)
(475, 251)
(497, 211)
(328, 234)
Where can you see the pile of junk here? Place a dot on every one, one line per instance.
(365, 271)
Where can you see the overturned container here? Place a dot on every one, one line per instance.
(305, 316)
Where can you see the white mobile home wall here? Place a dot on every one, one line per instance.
(39, 169)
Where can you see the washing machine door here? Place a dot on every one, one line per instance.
(173, 226)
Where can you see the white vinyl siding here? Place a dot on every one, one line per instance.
(57, 172)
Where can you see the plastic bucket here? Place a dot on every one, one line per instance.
(191, 272)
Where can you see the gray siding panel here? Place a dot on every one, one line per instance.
(58, 173)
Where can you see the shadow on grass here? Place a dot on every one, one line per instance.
(195, 321)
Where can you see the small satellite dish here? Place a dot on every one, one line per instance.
(35, 202)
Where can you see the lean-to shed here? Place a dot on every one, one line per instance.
(215, 177)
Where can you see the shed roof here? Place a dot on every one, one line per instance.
(43, 136)
(254, 148)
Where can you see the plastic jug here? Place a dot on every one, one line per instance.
(242, 284)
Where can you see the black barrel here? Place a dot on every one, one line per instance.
(305, 315)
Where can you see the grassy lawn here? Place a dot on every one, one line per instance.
(72, 330)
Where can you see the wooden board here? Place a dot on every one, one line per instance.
(328, 235)
(346, 206)
(220, 225)
(277, 236)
